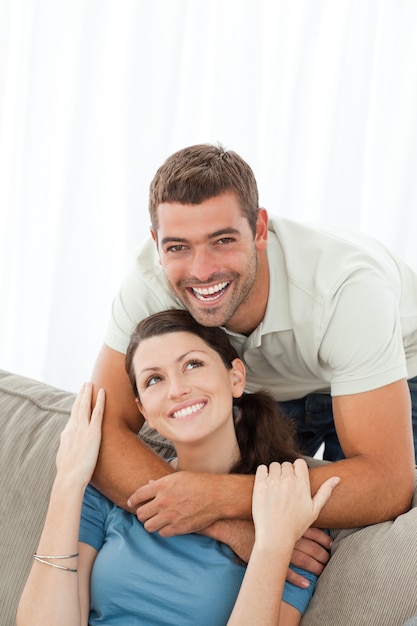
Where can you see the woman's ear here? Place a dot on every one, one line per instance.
(143, 413)
(140, 407)
(238, 378)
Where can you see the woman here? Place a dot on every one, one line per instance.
(188, 383)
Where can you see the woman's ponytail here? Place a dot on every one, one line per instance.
(264, 434)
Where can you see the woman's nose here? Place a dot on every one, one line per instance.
(178, 387)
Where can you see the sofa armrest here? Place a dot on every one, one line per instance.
(32, 416)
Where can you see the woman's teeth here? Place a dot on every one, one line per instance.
(189, 410)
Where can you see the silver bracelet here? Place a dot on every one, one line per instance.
(65, 556)
(41, 559)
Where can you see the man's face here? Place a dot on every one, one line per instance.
(210, 259)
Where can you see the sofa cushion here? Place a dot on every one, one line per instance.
(371, 577)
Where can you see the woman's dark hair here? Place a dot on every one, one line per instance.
(264, 434)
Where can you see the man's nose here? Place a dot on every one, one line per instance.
(203, 265)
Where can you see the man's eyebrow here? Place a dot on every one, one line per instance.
(217, 233)
(224, 231)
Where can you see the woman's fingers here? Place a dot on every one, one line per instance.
(282, 491)
(81, 409)
(81, 438)
(82, 403)
(323, 494)
(98, 411)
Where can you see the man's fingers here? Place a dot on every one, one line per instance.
(310, 552)
(296, 579)
(318, 537)
(143, 494)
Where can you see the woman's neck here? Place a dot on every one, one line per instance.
(215, 454)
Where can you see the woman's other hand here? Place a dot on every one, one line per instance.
(81, 437)
(282, 504)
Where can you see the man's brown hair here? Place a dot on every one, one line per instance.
(198, 173)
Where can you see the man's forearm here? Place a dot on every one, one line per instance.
(234, 495)
(186, 502)
(125, 463)
(366, 495)
(239, 535)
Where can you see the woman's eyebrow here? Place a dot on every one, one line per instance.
(181, 357)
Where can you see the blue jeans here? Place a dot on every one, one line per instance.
(314, 418)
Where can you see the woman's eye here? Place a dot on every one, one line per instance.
(152, 380)
(192, 364)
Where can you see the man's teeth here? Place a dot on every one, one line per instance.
(202, 293)
(188, 410)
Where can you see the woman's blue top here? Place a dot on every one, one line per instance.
(143, 578)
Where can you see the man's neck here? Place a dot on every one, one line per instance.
(252, 311)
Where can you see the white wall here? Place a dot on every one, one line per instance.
(319, 96)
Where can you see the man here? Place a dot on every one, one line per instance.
(324, 319)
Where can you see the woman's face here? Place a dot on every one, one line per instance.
(185, 390)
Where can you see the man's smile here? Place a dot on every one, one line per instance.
(211, 293)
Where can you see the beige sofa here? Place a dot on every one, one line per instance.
(371, 578)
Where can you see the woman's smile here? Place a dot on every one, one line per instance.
(188, 410)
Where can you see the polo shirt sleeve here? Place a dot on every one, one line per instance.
(362, 340)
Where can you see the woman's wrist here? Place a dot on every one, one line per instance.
(68, 484)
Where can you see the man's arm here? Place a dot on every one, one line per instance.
(124, 462)
(377, 477)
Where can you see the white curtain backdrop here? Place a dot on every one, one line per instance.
(320, 97)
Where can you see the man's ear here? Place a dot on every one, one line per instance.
(261, 237)
(238, 378)
(155, 238)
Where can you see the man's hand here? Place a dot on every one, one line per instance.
(186, 502)
(311, 553)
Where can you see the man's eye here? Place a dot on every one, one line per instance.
(177, 248)
(225, 240)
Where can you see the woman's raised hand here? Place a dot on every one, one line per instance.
(80, 440)
(282, 505)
